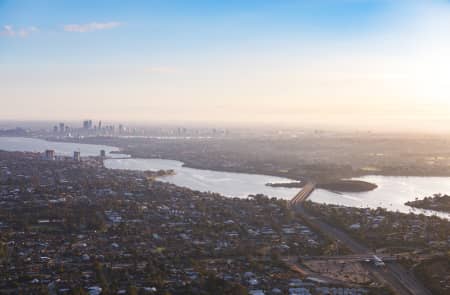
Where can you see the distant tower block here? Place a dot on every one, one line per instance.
(76, 156)
(49, 154)
(87, 124)
(103, 154)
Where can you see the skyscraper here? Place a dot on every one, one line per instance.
(87, 124)
(49, 154)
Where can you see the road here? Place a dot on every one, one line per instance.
(393, 274)
(303, 194)
(352, 257)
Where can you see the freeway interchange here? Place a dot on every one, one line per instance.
(394, 275)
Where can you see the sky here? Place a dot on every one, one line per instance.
(327, 63)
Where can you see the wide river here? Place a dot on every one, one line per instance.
(229, 184)
(26, 144)
(392, 191)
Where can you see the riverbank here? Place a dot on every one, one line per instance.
(348, 186)
(229, 184)
(342, 186)
(298, 184)
(232, 154)
(391, 194)
(437, 202)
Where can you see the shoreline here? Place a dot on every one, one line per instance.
(338, 186)
(234, 169)
(437, 202)
(189, 164)
(329, 189)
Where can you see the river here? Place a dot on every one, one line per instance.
(226, 183)
(392, 191)
(27, 144)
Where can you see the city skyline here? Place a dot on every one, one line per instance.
(378, 65)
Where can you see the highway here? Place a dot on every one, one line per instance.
(303, 194)
(393, 274)
(352, 257)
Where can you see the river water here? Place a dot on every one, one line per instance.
(226, 183)
(392, 191)
(26, 144)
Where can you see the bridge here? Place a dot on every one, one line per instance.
(302, 195)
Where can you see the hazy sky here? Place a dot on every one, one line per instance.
(372, 64)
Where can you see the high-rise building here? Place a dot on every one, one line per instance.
(49, 154)
(100, 124)
(103, 154)
(87, 124)
(76, 156)
(61, 127)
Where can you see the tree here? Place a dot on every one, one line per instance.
(132, 290)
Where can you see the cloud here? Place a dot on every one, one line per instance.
(90, 27)
(163, 70)
(9, 31)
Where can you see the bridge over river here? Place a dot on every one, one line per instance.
(302, 195)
